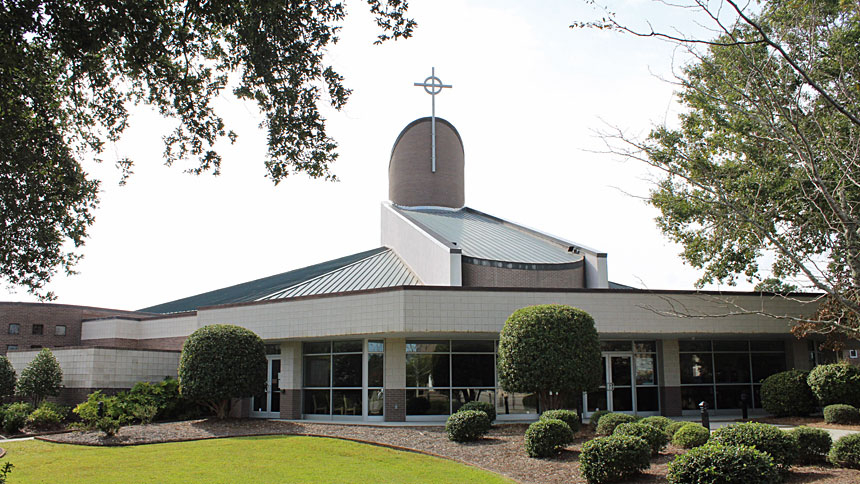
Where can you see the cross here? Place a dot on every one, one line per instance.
(433, 86)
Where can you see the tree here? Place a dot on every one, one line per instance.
(7, 377)
(552, 350)
(70, 70)
(220, 362)
(764, 161)
(41, 378)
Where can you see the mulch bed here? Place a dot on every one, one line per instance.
(501, 451)
(809, 421)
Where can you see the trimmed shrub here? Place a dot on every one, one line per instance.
(89, 411)
(41, 378)
(570, 417)
(7, 377)
(764, 437)
(608, 459)
(657, 421)
(841, 414)
(485, 407)
(220, 362)
(673, 428)
(467, 425)
(596, 416)
(609, 421)
(164, 396)
(109, 426)
(723, 464)
(836, 383)
(15, 416)
(846, 452)
(655, 437)
(691, 435)
(812, 444)
(61, 410)
(786, 394)
(545, 438)
(43, 419)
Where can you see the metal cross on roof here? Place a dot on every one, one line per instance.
(433, 86)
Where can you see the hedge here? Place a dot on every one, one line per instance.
(786, 394)
(764, 437)
(467, 425)
(545, 438)
(715, 463)
(835, 383)
(570, 417)
(609, 421)
(613, 458)
(655, 437)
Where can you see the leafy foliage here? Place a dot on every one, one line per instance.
(44, 418)
(8, 379)
(15, 416)
(655, 437)
(467, 425)
(41, 378)
(608, 459)
(550, 349)
(485, 407)
(841, 414)
(764, 437)
(787, 394)
(658, 421)
(570, 417)
(546, 438)
(70, 71)
(835, 383)
(673, 427)
(608, 422)
(724, 464)
(812, 443)
(691, 435)
(112, 409)
(846, 451)
(220, 362)
(596, 416)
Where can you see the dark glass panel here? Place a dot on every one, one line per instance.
(646, 369)
(620, 370)
(427, 371)
(473, 371)
(616, 345)
(597, 401)
(316, 402)
(691, 396)
(375, 402)
(694, 345)
(645, 346)
(603, 371)
(317, 371)
(273, 349)
(312, 347)
(375, 369)
(732, 367)
(696, 368)
(276, 402)
(472, 346)
(376, 346)
(756, 403)
(276, 392)
(516, 403)
(426, 346)
(767, 345)
(259, 403)
(826, 357)
(766, 364)
(462, 396)
(427, 402)
(647, 400)
(346, 402)
(729, 396)
(731, 345)
(622, 400)
(347, 371)
(352, 346)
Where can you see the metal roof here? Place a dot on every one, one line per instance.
(384, 269)
(482, 236)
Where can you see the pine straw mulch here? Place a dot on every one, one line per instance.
(501, 451)
(809, 421)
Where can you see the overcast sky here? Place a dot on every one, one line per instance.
(529, 94)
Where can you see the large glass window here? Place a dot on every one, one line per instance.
(333, 377)
(724, 373)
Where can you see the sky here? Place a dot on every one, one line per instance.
(530, 96)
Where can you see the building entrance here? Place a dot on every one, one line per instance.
(268, 405)
(621, 378)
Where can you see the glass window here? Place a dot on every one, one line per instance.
(647, 399)
(646, 366)
(729, 396)
(692, 395)
(346, 371)
(317, 402)
(516, 403)
(616, 345)
(427, 347)
(696, 368)
(767, 346)
(347, 347)
(314, 347)
(14, 328)
(35, 347)
(346, 402)
(731, 345)
(473, 370)
(59, 330)
(317, 371)
(765, 365)
(428, 402)
(732, 367)
(427, 370)
(645, 346)
(11, 347)
(375, 402)
(477, 346)
(38, 329)
(694, 345)
(375, 370)
(460, 397)
(376, 346)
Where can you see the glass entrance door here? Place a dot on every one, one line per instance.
(268, 405)
(616, 392)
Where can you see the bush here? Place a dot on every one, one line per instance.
(109, 426)
(164, 396)
(41, 378)
(841, 414)
(43, 418)
(846, 452)
(545, 438)
(657, 421)
(609, 421)
(655, 437)
(485, 407)
(613, 458)
(787, 394)
(836, 383)
(691, 435)
(61, 410)
(715, 463)
(764, 437)
(596, 416)
(812, 444)
(570, 417)
(220, 362)
(15, 416)
(7, 377)
(466, 425)
(673, 428)
(89, 411)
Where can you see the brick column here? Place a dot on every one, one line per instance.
(395, 380)
(290, 380)
(670, 388)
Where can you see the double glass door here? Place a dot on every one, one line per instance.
(616, 388)
(268, 405)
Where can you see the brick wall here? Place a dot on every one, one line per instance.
(395, 405)
(138, 344)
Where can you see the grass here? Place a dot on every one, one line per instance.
(269, 460)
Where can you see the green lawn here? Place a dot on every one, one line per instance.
(264, 460)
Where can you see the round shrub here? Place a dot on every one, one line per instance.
(545, 438)
(841, 414)
(812, 444)
(596, 416)
(608, 459)
(723, 464)
(691, 435)
(609, 421)
(15, 416)
(787, 394)
(673, 428)
(657, 421)
(485, 407)
(467, 425)
(44, 418)
(836, 383)
(846, 452)
(764, 437)
(570, 417)
(655, 437)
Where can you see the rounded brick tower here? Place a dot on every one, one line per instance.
(411, 179)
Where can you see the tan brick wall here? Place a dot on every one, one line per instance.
(139, 344)
(489, 276)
